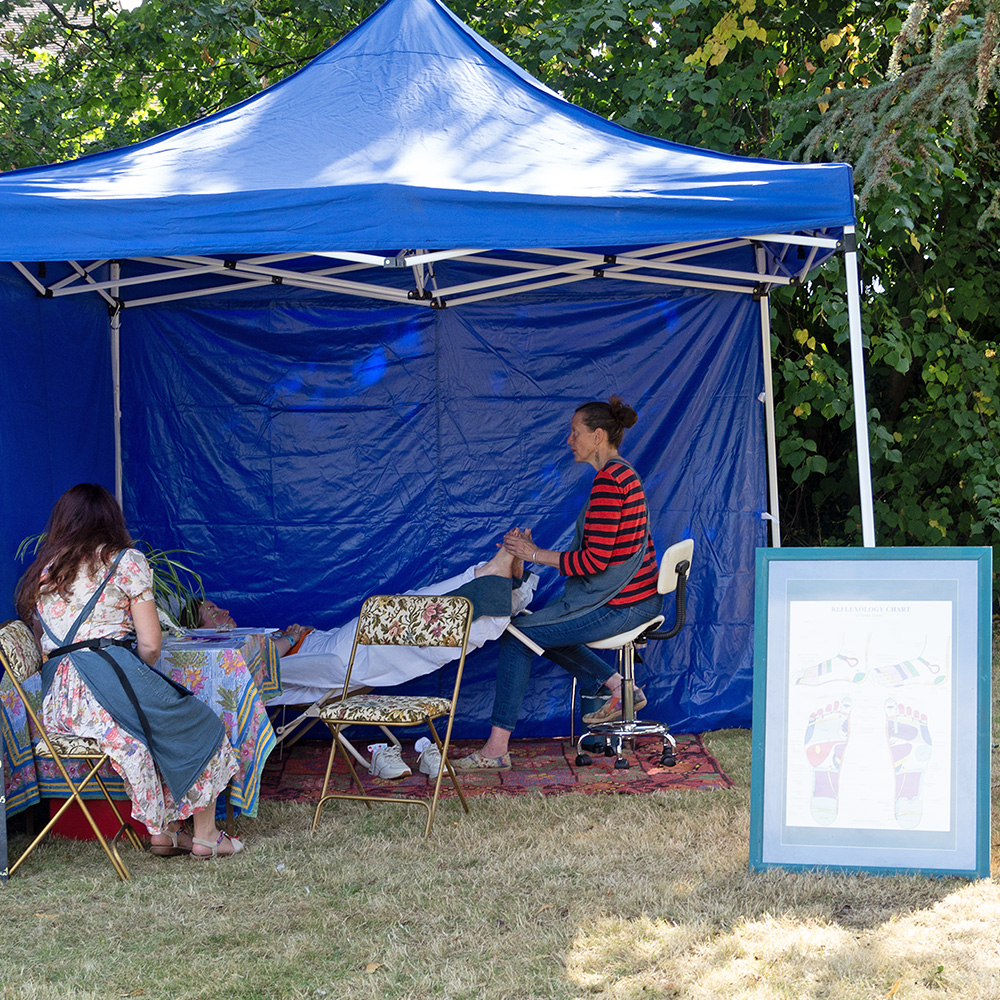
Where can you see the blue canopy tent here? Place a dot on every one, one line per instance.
(330, 338)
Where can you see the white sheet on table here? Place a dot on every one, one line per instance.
(321, 664)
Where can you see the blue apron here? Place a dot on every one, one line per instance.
(181, 732)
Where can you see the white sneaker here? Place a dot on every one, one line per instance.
(387, 761)
(430, 757)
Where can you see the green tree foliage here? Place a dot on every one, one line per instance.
(921, 130)
(907, 92)
(83, 75)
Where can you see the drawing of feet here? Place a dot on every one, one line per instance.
(910, 747)
(825, 740)
(916, 671)
(837, 668)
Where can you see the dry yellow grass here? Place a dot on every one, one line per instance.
(566, 897)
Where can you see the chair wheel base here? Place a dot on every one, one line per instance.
(622, 764)
(584, 760)
(609, 751)
(668, 760)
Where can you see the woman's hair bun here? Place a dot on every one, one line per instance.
(622, 412)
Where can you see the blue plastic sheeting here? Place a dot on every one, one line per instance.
(316, 450)
(55, 411)
(412, 131)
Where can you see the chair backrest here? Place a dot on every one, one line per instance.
(19, 650)
(670, 565)
(411, 620)
(675, 567)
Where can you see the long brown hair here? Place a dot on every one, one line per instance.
(86, 529)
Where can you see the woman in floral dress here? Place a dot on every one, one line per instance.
(186, 761)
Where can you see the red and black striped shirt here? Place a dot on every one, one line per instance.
(613, 530)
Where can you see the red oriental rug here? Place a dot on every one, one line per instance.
(544, 766)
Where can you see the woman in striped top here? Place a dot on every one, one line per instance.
(610, 587)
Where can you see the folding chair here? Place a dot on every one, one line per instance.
(20, 657)
(399, 620)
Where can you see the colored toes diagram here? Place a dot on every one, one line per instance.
(909, 742)
(826, 739)
(910, 746)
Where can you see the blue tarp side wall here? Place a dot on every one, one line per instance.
(315, 451)
(55, 411)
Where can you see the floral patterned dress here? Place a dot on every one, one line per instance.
(70, 707)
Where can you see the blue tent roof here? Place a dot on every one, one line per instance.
(411, 131)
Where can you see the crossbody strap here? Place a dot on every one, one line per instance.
(87, 608)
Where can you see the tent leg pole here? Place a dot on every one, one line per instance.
(860, 397)
(116, 324)
(772, 446)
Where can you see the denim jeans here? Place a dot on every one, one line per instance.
(563, 643)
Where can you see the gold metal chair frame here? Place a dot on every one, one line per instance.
(399, 620)
(21, 659)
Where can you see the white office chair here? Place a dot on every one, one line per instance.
(619, 737)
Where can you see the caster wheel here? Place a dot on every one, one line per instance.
(609, 751)
(584, 760)
(622, 764)
(668, 760)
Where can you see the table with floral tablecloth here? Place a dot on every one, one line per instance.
(232, 672)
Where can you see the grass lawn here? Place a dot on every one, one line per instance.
(571, 896)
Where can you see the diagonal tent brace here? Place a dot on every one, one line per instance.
(504, 273)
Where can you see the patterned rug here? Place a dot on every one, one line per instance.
(545, 766)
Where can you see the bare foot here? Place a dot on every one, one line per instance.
(502, 564)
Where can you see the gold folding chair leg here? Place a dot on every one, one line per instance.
(368, 800)
(76, 795)
(125, 828)
(337, 747)
(443, 749)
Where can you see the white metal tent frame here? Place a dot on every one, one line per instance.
(505, 273)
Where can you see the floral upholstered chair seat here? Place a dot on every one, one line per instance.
(67, 745)
(399, 709)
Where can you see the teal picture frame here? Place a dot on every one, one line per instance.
(872, 710)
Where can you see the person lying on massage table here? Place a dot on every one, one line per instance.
(315, 661)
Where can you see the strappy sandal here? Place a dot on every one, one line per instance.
(478, 761)
(214, 846)
(173, 848)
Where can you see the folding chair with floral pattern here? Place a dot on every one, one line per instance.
(21, 659)
(399, 620)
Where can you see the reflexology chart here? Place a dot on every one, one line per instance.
(869, 714)
(871, 710)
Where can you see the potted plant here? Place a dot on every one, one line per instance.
(175, 584)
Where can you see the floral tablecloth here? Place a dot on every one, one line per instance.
(233, 672)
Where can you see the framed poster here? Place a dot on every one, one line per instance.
(871, 710)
